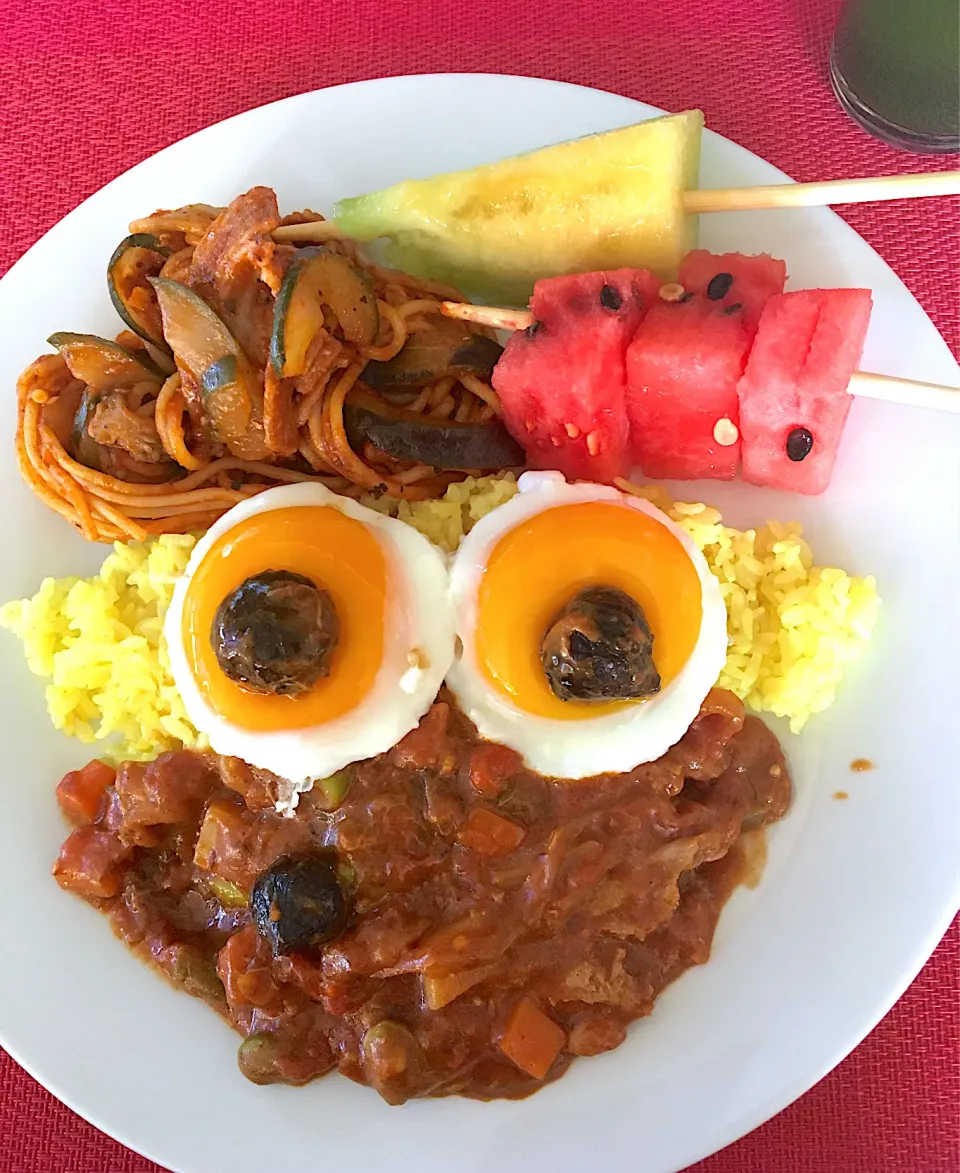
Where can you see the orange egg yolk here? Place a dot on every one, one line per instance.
(340, 555)
(538, 567)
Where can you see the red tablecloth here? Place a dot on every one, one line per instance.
(91, 87)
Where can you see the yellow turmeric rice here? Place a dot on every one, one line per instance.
(99, 643)
(792, 626)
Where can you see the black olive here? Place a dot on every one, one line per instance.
(298, 904)
(275, 633)
(534, 328)
(600, 647)
(719, 286)
(799, 443)
(610, 297)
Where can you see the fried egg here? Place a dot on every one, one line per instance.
(389, 590)
(517, 570)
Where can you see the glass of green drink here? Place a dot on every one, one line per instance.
(895, 68)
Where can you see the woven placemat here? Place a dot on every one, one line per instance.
(90, 88)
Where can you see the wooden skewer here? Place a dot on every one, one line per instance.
(313, 230)
(831, 191)
(487, 315)
(868, 386)
(747, 199)
(909, 392)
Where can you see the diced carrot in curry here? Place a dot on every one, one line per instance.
(531, 1039)
(488, 833)
(82, 794)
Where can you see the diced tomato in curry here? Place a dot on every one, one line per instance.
(82, 794)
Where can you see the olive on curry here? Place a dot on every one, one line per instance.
(298, 904)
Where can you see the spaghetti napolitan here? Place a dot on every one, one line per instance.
(124, 438)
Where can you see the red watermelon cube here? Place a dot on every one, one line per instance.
(734, 281)
(562, 381)
(793, 394)
(683, 367)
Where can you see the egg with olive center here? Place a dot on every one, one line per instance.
(590, 624)
(309, 632)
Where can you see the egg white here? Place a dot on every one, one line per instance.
(610, 743)
(418, 650)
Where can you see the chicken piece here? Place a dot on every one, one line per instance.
(116, 426)
(238, 246)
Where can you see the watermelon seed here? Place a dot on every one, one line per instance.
(572, 431)
(533, 329)
(610, 298)
(687, 296)
(799, 443)
(732, 309)
(719, 286)
(593, 443)
(672, 291)
(725, 432)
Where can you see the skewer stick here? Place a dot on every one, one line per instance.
(487, 315)
(831, 191)
(313, 230)
(909, 392)
(746, 199)
(869, 386)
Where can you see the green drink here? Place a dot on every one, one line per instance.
(895, 68)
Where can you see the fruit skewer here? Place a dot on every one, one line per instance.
(622, 198)
(887, 388)
(870, 189)
(718, 372)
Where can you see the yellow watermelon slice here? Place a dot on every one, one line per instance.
(604, 202)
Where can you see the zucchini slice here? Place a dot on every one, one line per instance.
(192, 330)
(104, 365)
(136, 258)
(315, 278)
(444, 444)
(450, 349)
(85, 449)
(225, 398)
(232, 392)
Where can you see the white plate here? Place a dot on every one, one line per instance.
(856, 894)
